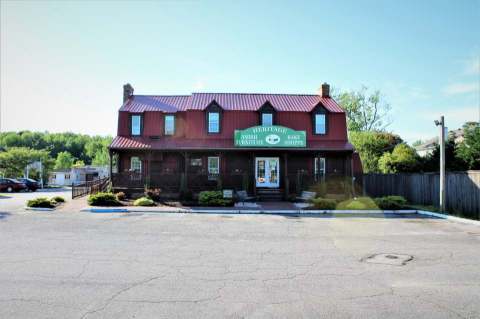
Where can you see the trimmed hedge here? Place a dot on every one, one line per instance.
(120, 196)
(213, 198)
(391, 202)
(40, 202)
(58, 199)
(324, 203)
(154, 194)
(143, 201)
(103, 199)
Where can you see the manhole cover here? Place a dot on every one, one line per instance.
(388, 259)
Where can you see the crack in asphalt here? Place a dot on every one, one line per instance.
(118, 293)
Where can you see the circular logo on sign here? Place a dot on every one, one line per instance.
(272, 139)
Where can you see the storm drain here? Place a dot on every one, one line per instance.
(388, 259)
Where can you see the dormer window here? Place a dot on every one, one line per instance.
(169, 124)
(319, 117)
(267, 119)
(267, 114)
(136, 125)
(213, 122)
(214, 118)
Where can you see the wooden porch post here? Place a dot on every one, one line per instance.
(111, 163)
(149, 169)
(285, 176)
(185, 171)
(252, 158)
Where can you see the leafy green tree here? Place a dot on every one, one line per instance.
(14, 160)
(365, 111)
(402, 159)
(469, 149)
(97, 149)
(431, 163)
(371, 146)
(64, 160)
(79, 163)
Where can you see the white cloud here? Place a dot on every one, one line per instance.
(455, 115)
(473, 66)
(461, 88)
(199, 85)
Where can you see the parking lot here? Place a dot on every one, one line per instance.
(16, 202)
(83, 265)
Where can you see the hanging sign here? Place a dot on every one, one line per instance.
(270, 136)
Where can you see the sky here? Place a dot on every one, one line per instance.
(63, 63)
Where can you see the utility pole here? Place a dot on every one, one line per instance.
(441, 123)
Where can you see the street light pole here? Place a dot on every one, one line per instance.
(441, 123)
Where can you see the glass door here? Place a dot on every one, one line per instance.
(267, 171)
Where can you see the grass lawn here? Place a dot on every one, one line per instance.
(359, 203)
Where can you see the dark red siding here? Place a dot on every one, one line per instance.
(192, 124)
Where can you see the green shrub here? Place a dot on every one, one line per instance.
(58, 199)
(103, 199)
(324, 203)
(391, 202)
(153, 194)
(143, 201)
(359, 203)
(41, 202)
(213, 198)
(120, 196)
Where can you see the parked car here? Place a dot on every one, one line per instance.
(32, 184)
(11, 185)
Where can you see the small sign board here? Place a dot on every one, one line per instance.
(227, 193)
(270, 136)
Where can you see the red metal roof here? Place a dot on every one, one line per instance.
(122, 142)
(228, 101)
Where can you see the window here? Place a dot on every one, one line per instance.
(169, 124)
(135, 164)
(213, 165)
(320, 124)
(319, 168)
(67, 176)
(136, 125)
(195, 162)
(267, 119)
(213, 122)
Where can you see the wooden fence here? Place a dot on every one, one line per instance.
(462, 189)
(90, 187)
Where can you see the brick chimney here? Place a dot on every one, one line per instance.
(325, 90)
(127, 91)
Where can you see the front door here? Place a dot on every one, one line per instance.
(267, 172)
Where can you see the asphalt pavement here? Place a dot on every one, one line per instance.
(68, 264)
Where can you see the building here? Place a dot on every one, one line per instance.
(427, 147)
(77, 175)
(271, 145)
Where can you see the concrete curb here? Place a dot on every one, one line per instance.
(40, 209)
(271, 212)
(242, 211)
(449, 217)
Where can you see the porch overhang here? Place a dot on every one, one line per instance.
(182, 144)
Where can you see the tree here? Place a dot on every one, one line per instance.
(365, 112)
(64, 160)
(97, 149)
(14, 160)
(469, 149)
(402, 159)
(78, 163)
(371, 146)
(431, 163)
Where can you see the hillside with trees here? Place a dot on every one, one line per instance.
(55, 150)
